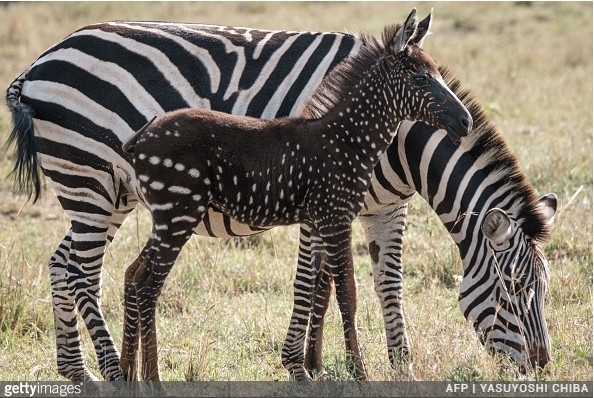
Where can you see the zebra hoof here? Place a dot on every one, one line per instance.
(116, 375)
(94, 388)
(299, 374)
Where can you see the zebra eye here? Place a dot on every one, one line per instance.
(501, 247)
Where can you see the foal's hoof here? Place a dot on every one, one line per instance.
(357, 370)
(319, 375)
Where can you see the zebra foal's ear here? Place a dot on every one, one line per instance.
(406, 32)
(422, 30)
(497, 226)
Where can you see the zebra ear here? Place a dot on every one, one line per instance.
(548, 207)
(422, 30)
(406, 32)
(497, 226)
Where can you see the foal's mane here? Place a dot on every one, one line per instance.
(485, 140)
(344, 76)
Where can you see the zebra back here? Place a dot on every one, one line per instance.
(104, 81)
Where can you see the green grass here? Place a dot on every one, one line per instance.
(224, 310)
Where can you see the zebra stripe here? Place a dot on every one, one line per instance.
(92, 90)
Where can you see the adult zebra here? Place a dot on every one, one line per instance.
(492, 213)
(91, 91)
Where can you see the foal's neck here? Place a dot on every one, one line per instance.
(366, 121)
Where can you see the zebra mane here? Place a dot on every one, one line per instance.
(344, 76)
(486, 140)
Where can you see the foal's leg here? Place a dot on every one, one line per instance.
(131, 323)
(337, 241)
(169, 235)
(320, 302)
(384, 231)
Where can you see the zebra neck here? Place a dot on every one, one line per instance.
(458, 186)
(363, 123)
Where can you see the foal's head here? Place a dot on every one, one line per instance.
(417, 82)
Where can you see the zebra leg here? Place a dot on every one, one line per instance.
(127, 204)
(130, 341)
(320, 302)
(89, 241)
(320, 299)
(309, 272)
(337, 242)
(68, 347)
(292, 353)
(384, 231)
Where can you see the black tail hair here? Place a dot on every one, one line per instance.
(26, 167)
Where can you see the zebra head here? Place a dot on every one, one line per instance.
(428, 98)
(506, 302)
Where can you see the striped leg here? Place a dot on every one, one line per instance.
(310, 272)
(320, 298)
(68, 347)
(337, 241)
(292, 353)
(75, 272)
(384, 231)
(89, 241)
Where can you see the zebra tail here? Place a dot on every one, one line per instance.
(128, 146)
(26, 167)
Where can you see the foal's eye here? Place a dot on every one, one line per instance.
(421, 79)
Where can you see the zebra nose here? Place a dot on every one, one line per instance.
(465, 122)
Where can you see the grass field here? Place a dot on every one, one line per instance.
(224, 311)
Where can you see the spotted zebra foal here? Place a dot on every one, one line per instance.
(314, 170)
